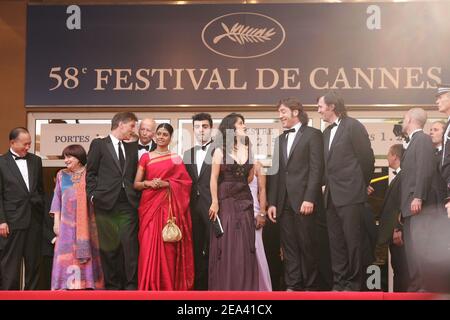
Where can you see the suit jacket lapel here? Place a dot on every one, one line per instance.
(16, 172)
(388, 191)
(410, 144)
(110, 147)
(326, 141)
(339, 131)
(31, 167)
(207, 158)
(193, 163)
(296, 140)
(283, 146)
(126, 147)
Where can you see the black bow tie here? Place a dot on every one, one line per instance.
(140, 147)
(289, 131)
(205, 146)
(394, 173)
(334, 124)
(20, 158)
(407, 139)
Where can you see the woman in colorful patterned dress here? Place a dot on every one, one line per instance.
(76, 262)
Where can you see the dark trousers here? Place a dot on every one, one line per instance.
(299, 250)
(437, 273)
(201, 227)
(415, 233)
(345, 231)
(271, 240)
(45, 273)
(20, 244)
(323, 249)
(119, 247)
(400, 266)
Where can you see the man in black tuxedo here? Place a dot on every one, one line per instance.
(147, 129)
(297, 170)
(349, 164)
(21, 212)
(111, 169)
(198, 165)
(418, 200)
(390, 231)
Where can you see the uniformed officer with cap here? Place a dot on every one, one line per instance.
(443, 104)
(439, 249)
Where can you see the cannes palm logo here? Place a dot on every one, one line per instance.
(243, 35)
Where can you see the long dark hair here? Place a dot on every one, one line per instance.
(227, 133)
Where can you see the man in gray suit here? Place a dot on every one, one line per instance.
(417, 204)
(349, 164)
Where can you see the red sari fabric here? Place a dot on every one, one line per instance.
(163, 265)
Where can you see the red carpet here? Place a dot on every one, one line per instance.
(212, 295)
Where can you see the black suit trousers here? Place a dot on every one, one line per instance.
(416, 233)
(201, 229)
(299, 245)
(345, 231)
(119, 247)
(400, 267)
(26, 244)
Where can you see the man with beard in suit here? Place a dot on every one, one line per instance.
(111, 169)
(294, 194)
(21, 212)
(198, 164)
(349, 164)
(147, 129)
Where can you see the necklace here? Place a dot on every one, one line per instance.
(76, 175)
(162, 152)
(79, 171)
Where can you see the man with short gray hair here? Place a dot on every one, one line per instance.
(417, 201)
(147, 129)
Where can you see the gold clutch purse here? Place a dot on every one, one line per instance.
(171, 232)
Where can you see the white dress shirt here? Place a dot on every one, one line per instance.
(200, 156)
(23, 167)
(291, 137)
(333, 132)
(395, 173)
(115, 143)
(142, 151)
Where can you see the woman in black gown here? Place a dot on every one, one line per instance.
(232, 257)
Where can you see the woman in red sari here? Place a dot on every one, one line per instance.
(163, 179)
